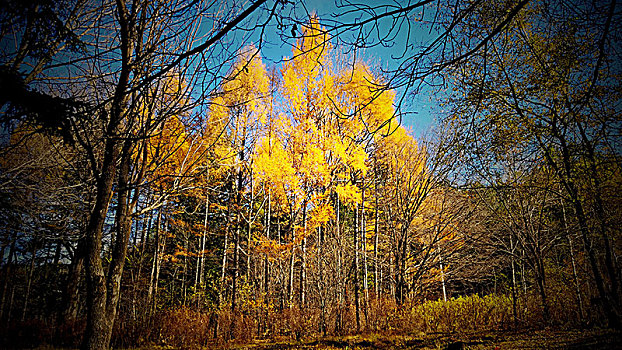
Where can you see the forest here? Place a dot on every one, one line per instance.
(232, 174)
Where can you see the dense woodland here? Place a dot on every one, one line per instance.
(163, 183)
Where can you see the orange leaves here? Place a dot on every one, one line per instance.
(273, 249)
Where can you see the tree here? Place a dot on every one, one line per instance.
(242, 106)
(543, 86)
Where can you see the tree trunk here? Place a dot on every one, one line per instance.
(376, 281)
(99, 324)
(29, 282)
(514, 306)
(70, 306)
(155, 262)
(303, 251)
(340, 289)
(357, 301)
(266, 261)
(249, 232)
(200, 278)
(6, 273)
(541, 281)
(290, 284)
(574, 267)
(101, 302)
(236, 249)
(610, 304)
(440, 263)
(364, 249)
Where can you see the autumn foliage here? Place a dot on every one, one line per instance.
(294, 205)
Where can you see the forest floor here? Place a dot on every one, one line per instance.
(598, 339)
(532, 339)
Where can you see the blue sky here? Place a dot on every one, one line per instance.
(420, 108)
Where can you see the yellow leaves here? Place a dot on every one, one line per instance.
(312, 167)
(272, 162)
(319, 216)
(293, 89)
(348, 193)
(168, 151)
(307, 77)
(357, 160)
(273, 249)
(241, 106)
(273, 165)
(247, 83)
(367, 101)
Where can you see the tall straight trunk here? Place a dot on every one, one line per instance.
(249, 232)
(290, 285)
(303, 271)
(440, 263)
(376, 281)
(303, 251)
(400, 262)
(236, 249)
(10, 311)
(7, 271)
(524, 283)
(281, 271)
(266, 261)
(29, 281)
(574, 267)
(321, 283)
(357, 300)
(199, 279)
(184, 273)
(364, 249)
(514, 306)
(599, 208)
(159, 262)
(223, 270)
(610, 304)
(541, 281)
(146, 223)
(393, 284)
(134, 230)
(154, 261)
(144, 235)
(144, 238)
(340, 290)
(266, 266)
(576, 281)
(99, 325)
(236, 265)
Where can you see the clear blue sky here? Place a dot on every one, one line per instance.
(420, 108)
